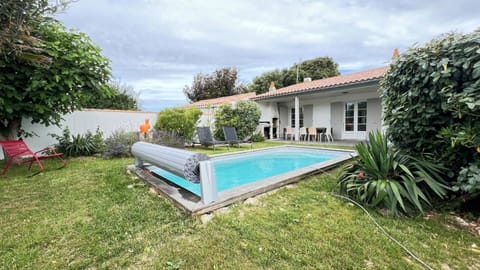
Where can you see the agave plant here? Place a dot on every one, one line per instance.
(382, 176)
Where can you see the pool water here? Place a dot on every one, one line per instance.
(239, 169)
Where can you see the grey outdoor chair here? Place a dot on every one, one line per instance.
(232, 138)
(206, 139)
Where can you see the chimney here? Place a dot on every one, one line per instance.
(272, 87)
(307, 79)
(395, 53)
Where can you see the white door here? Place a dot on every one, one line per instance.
(355, 120)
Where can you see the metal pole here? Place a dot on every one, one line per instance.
(297, 119)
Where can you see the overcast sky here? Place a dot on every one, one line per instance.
(158, 46)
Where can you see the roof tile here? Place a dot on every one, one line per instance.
(367, 75)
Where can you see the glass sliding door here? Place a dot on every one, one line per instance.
(355, 120)
(292, 117)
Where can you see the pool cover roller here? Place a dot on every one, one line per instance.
(194, 167)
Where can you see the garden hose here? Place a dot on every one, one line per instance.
(424, 264)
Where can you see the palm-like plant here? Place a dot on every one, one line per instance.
(382, 176)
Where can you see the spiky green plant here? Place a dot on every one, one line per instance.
(382, 176)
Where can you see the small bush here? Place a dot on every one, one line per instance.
(166, 138)
(384, 177)
(119, 144)
(258, 137)
(181, 121)
(86, 144)
(244, 117)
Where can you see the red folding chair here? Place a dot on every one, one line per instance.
(18, 152)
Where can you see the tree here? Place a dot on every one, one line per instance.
(261, 83)
(244, 117)
(44, 93)
(17, 20)
(181, 121)
(317, 68)
(222, 83)
(123, 98)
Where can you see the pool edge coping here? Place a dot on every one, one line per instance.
(192, 203)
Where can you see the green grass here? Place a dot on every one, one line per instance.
(92, 214)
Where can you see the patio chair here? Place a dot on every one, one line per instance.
(288, 132)
(206, 139)
(312, 132)
(303, 133)
(232, 138)
(19, 153)
(328, 135)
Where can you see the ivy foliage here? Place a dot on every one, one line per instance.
(181, 121)
(244, 117)
(432, 100)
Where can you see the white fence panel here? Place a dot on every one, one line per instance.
(80, 122)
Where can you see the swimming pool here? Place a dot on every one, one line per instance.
(241, 169)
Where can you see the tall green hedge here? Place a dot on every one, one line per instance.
(432, 100)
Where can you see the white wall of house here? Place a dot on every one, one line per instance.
(318, 110)
(80, 122)
(207, 119)
(269, 110)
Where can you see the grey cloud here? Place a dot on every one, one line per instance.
(158, 46)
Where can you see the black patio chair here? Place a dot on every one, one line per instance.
(232, 138)
(206, 139)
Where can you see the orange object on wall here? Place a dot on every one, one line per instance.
(145, 127)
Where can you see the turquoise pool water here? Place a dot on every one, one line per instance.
(239, 169)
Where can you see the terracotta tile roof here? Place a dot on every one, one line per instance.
(363, 76)
(222, 100)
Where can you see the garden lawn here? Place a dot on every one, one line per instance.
(92, 214)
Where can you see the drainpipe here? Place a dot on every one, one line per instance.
(297, 119)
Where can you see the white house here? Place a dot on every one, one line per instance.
(209, 106)
(348, 106)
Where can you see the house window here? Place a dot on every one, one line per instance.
(292, 117)
(356, 116)
(349, 116)
(362, 116)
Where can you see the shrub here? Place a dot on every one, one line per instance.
(181, 121)
(244, 117)
(381, 176)
(432, 98)
(119, 144)
(258, 137)
(167, 139)
(81, 144)
(468, 180)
